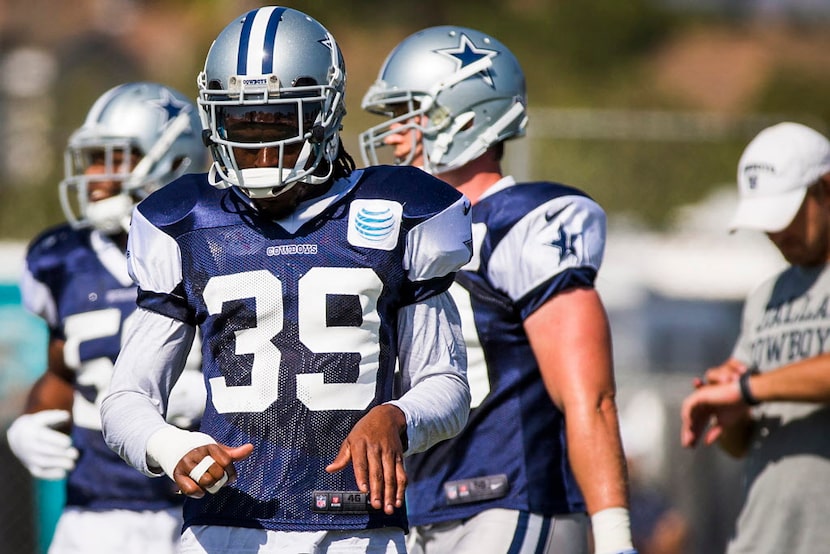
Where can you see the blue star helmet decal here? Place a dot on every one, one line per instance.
(466, 53)
(171, 106)
(327, 42)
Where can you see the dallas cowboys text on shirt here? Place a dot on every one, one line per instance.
(791, 331)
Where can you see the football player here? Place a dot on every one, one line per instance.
(542, 446)
(309, 280)
(136, 138)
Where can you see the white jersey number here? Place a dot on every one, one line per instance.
(314, 334)
(477, 374)
(95, 372)
(476, 366)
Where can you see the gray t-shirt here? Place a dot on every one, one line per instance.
(787, 505)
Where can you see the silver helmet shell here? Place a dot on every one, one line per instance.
(274, 58)
(157, 123)
(468, 85)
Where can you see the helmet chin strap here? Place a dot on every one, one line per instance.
(443, 140)
(481, 143)
(453, 79)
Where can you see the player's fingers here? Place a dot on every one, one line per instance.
(400, 481)
(688, 435)
(209, 475)
(200, 469)
(378, 464)
(341, 460)
(225, 456)
(712, 434)
(364, 474)
(237, 455)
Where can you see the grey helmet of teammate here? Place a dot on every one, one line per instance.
(150, 124)
(468, 85)
(273, 65)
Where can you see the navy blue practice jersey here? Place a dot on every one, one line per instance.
(298, 323)
(531, 241)
(77, 281)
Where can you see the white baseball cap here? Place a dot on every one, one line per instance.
(774, 173)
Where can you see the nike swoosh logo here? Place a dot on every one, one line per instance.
(551, 216)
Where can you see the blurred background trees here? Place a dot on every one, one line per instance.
(645, 103)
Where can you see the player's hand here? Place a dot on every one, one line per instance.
(208, 468)
(46, 452)
(708, 410)
(727, 372)
(375, 450)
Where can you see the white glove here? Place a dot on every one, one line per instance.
(46, 452)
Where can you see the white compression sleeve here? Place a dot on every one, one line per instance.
(433, 363)
(151, 359)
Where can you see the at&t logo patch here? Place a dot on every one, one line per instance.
(374, 224)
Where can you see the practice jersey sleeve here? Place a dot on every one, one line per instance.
(555, 246)
(37, 299)
(154, 261)
(441, 244)
(154, 352)
(433, 361)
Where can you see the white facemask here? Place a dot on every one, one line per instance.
(111, 215)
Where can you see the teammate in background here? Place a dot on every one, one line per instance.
(308, 279)
(769, 401)
(136, 138)
(543, 432)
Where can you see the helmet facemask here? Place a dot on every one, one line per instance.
(278, 68)
(114, 160)
(406, 118)
(297, 124)
(470, 89)
(136, 138)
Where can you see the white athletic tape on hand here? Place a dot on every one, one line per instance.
(214, 488)
(201, 468)
(167, 446)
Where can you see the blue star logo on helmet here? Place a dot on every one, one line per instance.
(327, 42)
(170, 105)
(466, 53)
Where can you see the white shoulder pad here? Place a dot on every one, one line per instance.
(441, 244)
(153, 257)
(564, 233)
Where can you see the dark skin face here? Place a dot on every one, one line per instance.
(101, 190)
(264, 129)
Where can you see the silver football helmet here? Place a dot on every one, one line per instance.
(152, 124)
(273, 65)
(469, 87)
